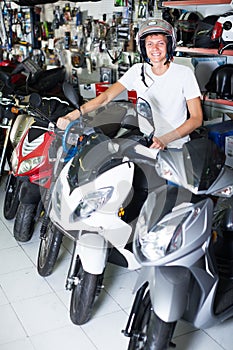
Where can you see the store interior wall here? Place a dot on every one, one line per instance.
(94, 9)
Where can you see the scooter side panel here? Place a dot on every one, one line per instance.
(224, 179)
(201, 314)
(21, 125)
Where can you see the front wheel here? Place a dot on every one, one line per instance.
(48, 250)
(140, 324)
(11, 201)
(24, 222)
(149, 331)
(83, 295)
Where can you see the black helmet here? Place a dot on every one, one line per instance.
(220, 82)
(156, 26)
(203, 33)
(186, 26)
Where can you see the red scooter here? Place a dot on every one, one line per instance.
(32, 165)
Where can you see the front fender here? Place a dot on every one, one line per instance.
(29, 193)
(168, 290)
(92, 250)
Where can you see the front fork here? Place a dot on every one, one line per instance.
(129, 329)
(73, 270)
(91, 250)
(46, 219)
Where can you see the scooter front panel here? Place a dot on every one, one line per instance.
(120, 178)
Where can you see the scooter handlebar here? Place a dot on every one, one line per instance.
(72, 140)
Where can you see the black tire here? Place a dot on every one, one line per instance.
(83, 296)
(159, 333)
(24, 222)
(48, 250)
(11, 201)
(149, 332)
(140, 324)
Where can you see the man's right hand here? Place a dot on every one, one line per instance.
(62, 122)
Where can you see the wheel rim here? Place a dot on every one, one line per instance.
(10, 193)
(45, 245)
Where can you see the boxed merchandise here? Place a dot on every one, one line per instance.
(125, 95)
(88, 91)
(218, 132)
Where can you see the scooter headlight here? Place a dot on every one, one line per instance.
(224, 192)
(92, 202)
(29, 164)
(155, 244)
(164, 170)
(163, 239)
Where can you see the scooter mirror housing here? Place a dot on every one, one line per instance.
(35, 100)
(71, 94)
(143, 108)
(145, 117)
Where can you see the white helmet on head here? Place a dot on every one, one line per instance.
(156, 26)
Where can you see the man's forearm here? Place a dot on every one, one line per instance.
(182, 131)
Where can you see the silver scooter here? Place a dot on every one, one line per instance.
(186, 253)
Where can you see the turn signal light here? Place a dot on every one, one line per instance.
(14, 110)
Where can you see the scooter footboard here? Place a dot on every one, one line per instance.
(92, 250)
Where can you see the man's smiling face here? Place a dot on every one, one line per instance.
(156, 47)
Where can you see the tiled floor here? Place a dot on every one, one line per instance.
(34, 311)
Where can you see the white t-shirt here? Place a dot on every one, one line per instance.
(167, 95)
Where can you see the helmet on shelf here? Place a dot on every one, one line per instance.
(223, 31)
(156, 26)
(186, 26)
(220, 82)
(204, 31)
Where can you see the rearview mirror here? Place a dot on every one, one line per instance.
(145, 117)
(71, 94)
(35, 100)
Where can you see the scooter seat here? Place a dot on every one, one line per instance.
(5, 77)
(48, 79)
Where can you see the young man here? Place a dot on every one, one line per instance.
(169, 88)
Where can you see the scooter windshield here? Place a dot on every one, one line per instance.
(96, 156)
(203, 162)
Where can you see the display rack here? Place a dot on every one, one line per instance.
(202, 6)
(206, 7)
(202, 51)
(219, 101)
